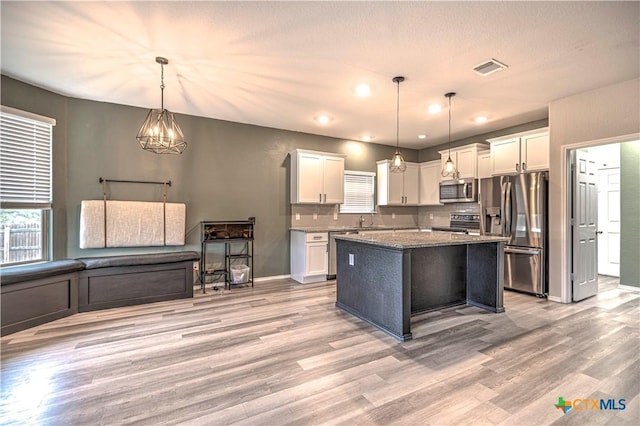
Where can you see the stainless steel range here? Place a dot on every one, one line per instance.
(461, 222)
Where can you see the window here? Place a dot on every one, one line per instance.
(25, 186)
(359, 190)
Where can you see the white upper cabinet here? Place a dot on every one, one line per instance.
(465, 158)
(521, 152)
(317, 177)
(484, 165)
(430, 183)
(398, 189)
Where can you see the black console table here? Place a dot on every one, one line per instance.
(235, 266)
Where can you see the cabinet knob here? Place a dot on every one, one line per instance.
(524, 166)
(320, 200)
(517, 167)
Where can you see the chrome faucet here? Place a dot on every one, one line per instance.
(361, 221)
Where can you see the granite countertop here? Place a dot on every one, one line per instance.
(350, 228)
(407, 240)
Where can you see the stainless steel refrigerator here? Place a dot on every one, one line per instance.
(516, 207)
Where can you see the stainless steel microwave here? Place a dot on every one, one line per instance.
(459, 191)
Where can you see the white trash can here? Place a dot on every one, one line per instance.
(239, 274)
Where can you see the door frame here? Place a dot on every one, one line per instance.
(566, 242)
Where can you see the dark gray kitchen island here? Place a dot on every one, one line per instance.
(384, 278)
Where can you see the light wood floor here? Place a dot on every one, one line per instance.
(281, 353)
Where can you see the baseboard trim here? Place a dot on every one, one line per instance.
(271, 278)
(629, 288)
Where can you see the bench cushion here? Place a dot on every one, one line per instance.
(34, 271)
(139, 259)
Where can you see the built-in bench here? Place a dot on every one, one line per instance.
(114, 281)
(38, 293)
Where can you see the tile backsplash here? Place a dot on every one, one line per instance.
(329, 216)
(323, 216)
(429, 216)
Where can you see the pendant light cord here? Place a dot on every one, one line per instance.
(449, 126)
(161, 86)
(398, 116)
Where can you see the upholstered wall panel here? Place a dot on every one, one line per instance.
(131, 224)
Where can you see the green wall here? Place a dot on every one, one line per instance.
(229, 171)
(630, 214)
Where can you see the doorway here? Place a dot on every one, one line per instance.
(603, 261)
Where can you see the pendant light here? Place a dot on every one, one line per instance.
(160, 132)
(397, 161)
(449, 168)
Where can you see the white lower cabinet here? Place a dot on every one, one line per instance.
(309, 256)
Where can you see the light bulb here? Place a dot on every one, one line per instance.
(449, 166)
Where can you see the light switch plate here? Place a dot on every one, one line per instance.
(315, 216)
(297, 216)
(393, 215)
(335, 216)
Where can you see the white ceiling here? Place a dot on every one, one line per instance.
(280, 64)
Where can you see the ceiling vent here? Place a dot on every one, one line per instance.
(489, 67)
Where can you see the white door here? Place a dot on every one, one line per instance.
(609, 221)
(584, 226)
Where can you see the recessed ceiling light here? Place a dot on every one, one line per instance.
(435, 108)
(367, 138)
(481, 119)
(323, 119)
(422, 136)
(363, 90)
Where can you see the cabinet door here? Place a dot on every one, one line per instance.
(411, 182)
(429, 183)
(505, 156)
(310, 178)
(484, 166)
(333, 180)
(396, 188)
(467, 163)
(316, 259)
(534, 152)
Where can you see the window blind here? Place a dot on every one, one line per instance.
(25, 158)
(359, 190)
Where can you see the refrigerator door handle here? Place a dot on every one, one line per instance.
(507, 210)
(522, 251)
(503, 224)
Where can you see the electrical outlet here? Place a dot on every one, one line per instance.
(335, 216)
(351, 259)
(315, 216)
(297, 216)
(393, 215)
(430, 215)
